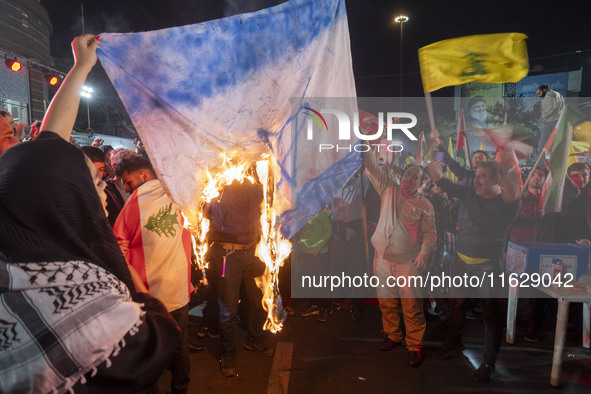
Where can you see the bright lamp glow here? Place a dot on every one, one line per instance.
(86, 92)
(13, 65)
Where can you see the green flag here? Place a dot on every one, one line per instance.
(551, 198)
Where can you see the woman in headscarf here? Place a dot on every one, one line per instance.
(73, 316)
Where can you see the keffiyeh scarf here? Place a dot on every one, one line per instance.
(58, 321)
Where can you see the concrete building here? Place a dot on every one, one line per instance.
(25, 30)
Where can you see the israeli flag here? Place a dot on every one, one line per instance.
(225, 85)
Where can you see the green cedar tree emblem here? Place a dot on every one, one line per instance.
(162, 223)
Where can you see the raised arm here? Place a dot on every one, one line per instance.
(378, 177)
(62, 111)
(453, 165)
(510, 179)
(510, 184)
(436, 174)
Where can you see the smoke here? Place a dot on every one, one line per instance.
(233, 7)
(116, 22)
(126, 16)
(113, 20)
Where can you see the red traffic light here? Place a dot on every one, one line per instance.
(13, 65)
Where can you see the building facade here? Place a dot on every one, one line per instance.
(25, 30)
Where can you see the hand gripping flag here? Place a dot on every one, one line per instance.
(490, 58)
(225, 85)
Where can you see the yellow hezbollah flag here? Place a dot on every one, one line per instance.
(491, 58)
(582, 132)
(576, 149)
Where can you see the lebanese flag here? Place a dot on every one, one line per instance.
(150, 233)
(462, 153)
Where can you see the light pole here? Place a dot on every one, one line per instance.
(401, 19)
(87, 94)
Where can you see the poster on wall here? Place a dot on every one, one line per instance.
(479, 100)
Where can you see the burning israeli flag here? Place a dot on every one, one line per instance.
(225, 85)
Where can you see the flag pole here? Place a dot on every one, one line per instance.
(420, 153)
(364, 218)
(429, 103)
(546, 148)
(363, 211)
(469, 158)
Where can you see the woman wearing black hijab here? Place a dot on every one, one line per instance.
(73, 313)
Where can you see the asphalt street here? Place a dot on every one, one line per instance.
(341, 356)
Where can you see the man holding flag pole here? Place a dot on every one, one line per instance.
(491, 58)
(461, 167)
(490, 208)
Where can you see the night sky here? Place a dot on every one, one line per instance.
(556, 30)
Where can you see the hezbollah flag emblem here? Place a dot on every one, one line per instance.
(489, 58)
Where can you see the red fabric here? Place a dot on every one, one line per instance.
(514, 161)
(133, 251)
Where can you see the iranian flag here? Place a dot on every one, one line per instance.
(558, 146)
(517, 136)
(462, 152)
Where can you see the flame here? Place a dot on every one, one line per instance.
(198, 240)
(272, 249)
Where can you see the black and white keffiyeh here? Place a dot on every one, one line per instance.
(65, 301)
(58, 321)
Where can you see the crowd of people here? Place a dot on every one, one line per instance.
(96, 264)
(421, 222)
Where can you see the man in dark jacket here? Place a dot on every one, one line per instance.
(235, 232)
(490, 208)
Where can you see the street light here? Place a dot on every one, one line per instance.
(401, 19)
(87, 94)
